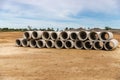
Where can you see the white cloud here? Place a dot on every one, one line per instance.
(66, 7)
(61, 7)
(54, 11)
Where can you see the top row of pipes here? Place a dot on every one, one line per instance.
(65, 35)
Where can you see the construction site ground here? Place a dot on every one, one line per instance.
(20, 63)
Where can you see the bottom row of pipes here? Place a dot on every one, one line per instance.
(68, 44)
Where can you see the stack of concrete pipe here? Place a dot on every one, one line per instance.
(68, 39)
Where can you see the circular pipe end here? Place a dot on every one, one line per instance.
(78, 44)
(73, 36)
(59, 44)
(98, 45)
(33, 43)
(83, 35)
(18, 42)
(69, 44)
(50, 44)
(64, 35)
(41, 43)
(93, 35)
(25, 43)
(46, 35)
(88, 45)
(54, 36)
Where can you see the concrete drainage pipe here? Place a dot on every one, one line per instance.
(59, 44)
(37, 34)
(73, 36)
(27, 35)
(41, 43)
(64, 35)
(50, 43)
(55, 35)
(88, 45)
(93, 35)
(98, 45)
(111, 44)
(69, 44)
(78, 44)
(46, 35)
(33, 43)
(106, 35)
(83, 35)
(19, 42)
(25, 43)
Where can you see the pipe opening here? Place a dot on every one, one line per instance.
(74, 36)
(59, 43)
(88, 45)
(109, 45)
(64, 35)
(93, 36)
(98, 45)
(46, 35)
(24, 42)
(68, 44)
(49, 44)
(79, 44)
(18, 42)
(104, 35)
(40, 43)
(83, 34)
(27, 35)
(54, 35)
(35, 34)
(33, 43)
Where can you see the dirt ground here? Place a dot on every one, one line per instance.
(18, 63)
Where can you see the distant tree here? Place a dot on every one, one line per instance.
(5, 29)
(108, 28)
(25, 29)
(57, 29)
(48, 29)
(35, 29)
(71, 28)
(66, 28)
(52, 29)
(29, 27)
(88, 28)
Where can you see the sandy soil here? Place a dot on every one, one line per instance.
(18, 63)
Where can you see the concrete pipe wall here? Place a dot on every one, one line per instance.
(59, 44)
(33, 43)
(78, 44)
(27, 35)
(25, 43)
(83, 35)
(55, 35)
(73, 36)
(37, 34)
(46, 35)
(111, 44)
(41, 43)
(93, 35)
(106, 35)
(69, 44)
(50, 43)
(65, 35)
(19, 42)
(88, 45)
(98, 45)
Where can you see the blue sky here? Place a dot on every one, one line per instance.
(59, 13)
